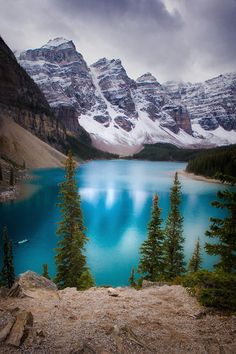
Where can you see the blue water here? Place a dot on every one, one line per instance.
(116, 203)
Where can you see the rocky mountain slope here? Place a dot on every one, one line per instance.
(156, 319)
(27, 122)
(31, 135)
(24, 148)
(22, 100)
(122, 114)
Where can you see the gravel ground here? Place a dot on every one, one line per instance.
(163, 320)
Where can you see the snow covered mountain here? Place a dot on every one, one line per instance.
(121, 114)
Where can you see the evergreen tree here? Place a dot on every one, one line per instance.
(132, 278)
(70, 258)
(224, 231)
(174, 255)
(45, 273)
(151, 263)
(12, 177)
(1, 173)
(195, 261)
(86, 280)
(8, 272)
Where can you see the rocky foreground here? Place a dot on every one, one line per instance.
(37, 318)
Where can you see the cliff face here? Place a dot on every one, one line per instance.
(22, 101)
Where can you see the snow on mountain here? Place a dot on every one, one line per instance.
(211, 104)
(121, 114)
(56, 42)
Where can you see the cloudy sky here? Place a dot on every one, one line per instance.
(191, 40)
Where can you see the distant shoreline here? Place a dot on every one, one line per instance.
(19, 191)
(199, 177)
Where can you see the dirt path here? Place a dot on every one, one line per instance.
(153, 320)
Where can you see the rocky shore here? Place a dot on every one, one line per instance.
(156, 319)
(9, 193)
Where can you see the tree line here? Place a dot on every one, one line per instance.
(162, 255)
(211, 164)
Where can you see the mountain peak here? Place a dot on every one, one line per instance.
(147, 77)
(59, 42)
(103, 62)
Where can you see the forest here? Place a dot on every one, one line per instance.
(215, 162)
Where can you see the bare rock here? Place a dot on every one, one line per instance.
(148, 284)
(20, 330)
(30, 280)
(112, 292)
(200, 314)
(7, 320)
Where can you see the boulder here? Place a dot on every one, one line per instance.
(28, 281)
(7, 320)
(20, 330)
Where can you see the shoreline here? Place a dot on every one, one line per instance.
(19, 191)
(199, 177)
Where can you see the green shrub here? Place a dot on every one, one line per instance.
(212, 289)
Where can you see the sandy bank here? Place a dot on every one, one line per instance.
(199, 178)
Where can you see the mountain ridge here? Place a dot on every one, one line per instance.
(121, 114)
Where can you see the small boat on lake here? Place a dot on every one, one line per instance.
(22, 241)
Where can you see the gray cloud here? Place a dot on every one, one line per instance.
(174, 39)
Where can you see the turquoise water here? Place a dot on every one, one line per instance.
(116, 202)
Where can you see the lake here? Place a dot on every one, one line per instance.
(116, 202)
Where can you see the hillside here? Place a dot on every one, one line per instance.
(29, 132)
(22, 101)
(156, 319)
(18, 144)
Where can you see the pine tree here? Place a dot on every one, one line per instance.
(86, 280)
(151, 263)
(132, 278)
(224, 231)
(1, 173)
(8, 272)
(195, 261)
(70, 258)
(12, 177)
(45, 273)
(174, 255)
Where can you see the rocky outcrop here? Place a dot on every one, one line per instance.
(29, 281)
